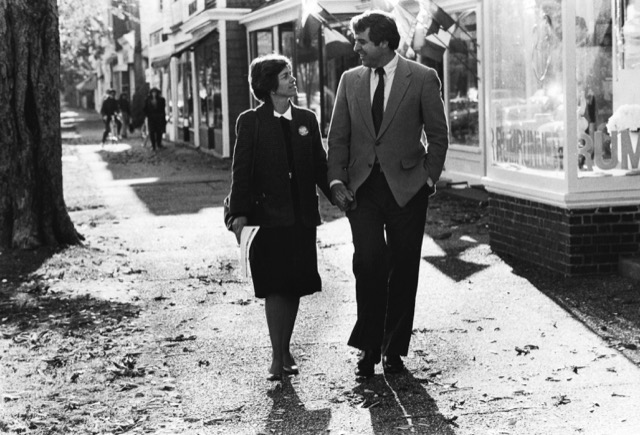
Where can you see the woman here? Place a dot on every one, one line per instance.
(154, 111)
(278, 162)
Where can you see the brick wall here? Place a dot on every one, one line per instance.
(571, 242)
(237, 73)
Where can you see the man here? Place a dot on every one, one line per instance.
(109, 110)
(382, 175)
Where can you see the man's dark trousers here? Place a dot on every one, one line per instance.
(386, 271)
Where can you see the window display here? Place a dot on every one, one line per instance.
(526, 97)
(462, 80)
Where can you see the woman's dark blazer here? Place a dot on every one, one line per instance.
(266, 197)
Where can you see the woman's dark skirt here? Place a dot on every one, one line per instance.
(285, 261)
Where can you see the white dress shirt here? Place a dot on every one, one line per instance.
(285, 115)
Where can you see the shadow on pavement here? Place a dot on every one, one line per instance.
(165, 199)
(400, 403)
(31, 308)
(289, 416)
(452, 265)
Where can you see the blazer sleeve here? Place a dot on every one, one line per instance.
(339, 136)
(435, 125)
(240, 199)
(319, 158)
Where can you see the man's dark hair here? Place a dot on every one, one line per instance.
(381, 25)
(263, 74)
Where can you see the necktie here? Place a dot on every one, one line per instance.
(377, 107)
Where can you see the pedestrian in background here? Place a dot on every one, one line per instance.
(382, 175)
(125, 112)
(109, 112)
(154, 111)
(278, 162)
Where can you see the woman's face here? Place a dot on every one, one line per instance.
(286, 84)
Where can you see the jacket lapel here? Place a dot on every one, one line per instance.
(399, 87)
(363, 96)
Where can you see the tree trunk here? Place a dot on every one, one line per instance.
(32, 208)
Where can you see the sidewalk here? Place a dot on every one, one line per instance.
(491, 354)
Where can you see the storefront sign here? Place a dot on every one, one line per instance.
(529, 148)
(619, 146)
(537, 149)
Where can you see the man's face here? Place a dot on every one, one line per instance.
(370, 54)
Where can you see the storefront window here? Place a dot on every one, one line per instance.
(261, 42)
(462, 80)
(339, 57)
(185, 98)
(209, 83)
(594, 75)
(628, 34)
(308, 66)
(287, 39)
(526, 97)
(180, 95)
(164, 84)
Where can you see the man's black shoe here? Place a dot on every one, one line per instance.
(366, 363)
(392, 364)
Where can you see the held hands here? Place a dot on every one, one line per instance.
(237, 225)
(341, 196)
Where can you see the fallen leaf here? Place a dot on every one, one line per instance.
(10, 397)
(561, 400)
(127, 387)
(576, 368)
(181, 337)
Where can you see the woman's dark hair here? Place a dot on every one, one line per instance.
(381, 25)
(263, 74)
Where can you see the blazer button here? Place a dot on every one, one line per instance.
(377, 143)
(371, 165)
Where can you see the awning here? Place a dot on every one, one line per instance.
(197, 37)
(161, 62)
